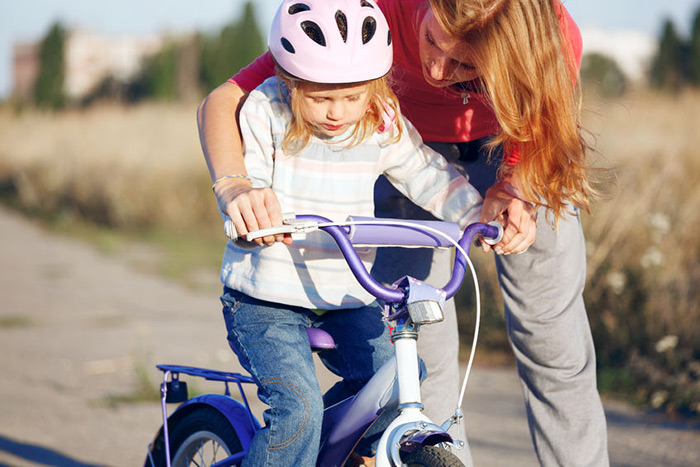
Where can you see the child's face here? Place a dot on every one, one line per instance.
(331, 108)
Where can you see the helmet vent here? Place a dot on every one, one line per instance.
(366, 3)
(297, 8)
(342, 21)
(388, 38)
(314, 32)
(287, 45)
(369, 27)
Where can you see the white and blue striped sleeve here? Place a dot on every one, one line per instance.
(427, 179)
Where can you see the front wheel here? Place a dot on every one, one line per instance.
(431, 456)
(202, 438)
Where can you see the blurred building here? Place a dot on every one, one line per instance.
(89, 58)
(631, 50)
(25, 68)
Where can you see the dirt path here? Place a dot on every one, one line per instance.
(77, 329)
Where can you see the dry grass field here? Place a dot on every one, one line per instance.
(644, 249)
(140, 169)
(124, 167)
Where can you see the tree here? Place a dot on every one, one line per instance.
(247, 42)
(48, 87)
(666, 69)
(603, 75)
(694, 52)
(188, 85)
(158, 78)
(187, 66)
(235, 46)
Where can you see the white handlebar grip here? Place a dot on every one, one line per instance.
(493, 241)
(230, 229)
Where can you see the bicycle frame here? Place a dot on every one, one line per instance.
(396, 384)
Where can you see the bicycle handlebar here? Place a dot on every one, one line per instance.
(371, 231)
(375, 231)
(390, 295)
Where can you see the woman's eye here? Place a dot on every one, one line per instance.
(464, 66)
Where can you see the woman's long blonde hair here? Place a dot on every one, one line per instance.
(530, 76)
(381, 100)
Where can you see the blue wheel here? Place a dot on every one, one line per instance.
(201, 438)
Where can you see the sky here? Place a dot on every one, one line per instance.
(29, 20)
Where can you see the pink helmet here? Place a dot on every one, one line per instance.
(331, 41)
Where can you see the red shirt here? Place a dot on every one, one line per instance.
(439, 114)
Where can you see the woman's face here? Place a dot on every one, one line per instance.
(445, 59)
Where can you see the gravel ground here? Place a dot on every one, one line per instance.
(78, 330)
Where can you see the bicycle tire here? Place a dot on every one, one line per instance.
(203, 434)
(431, 456)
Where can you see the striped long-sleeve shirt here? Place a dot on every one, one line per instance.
(329, 179)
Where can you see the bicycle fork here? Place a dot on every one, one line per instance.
(411, 429)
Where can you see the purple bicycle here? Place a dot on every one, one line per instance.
(216, 429)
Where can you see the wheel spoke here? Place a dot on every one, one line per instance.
(215, 451)
(200, 451)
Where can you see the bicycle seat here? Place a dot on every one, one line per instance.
(318, 340)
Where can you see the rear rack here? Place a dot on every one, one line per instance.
(211, 375)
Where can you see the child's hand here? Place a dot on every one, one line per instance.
(518, 217)
(251, 209)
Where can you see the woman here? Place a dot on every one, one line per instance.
(493, 87)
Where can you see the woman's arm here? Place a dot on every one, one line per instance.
(220, 138)
(219, 135)
(218, 117)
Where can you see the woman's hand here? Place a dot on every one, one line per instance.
(518, 217)
(250, 209)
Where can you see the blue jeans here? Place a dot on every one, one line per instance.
(271, 343)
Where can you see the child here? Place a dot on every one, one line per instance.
(316, 138)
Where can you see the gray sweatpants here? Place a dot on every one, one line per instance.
(549, 332)
(545, 317)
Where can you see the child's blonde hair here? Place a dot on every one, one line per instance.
(382, 100)
(530, 76)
